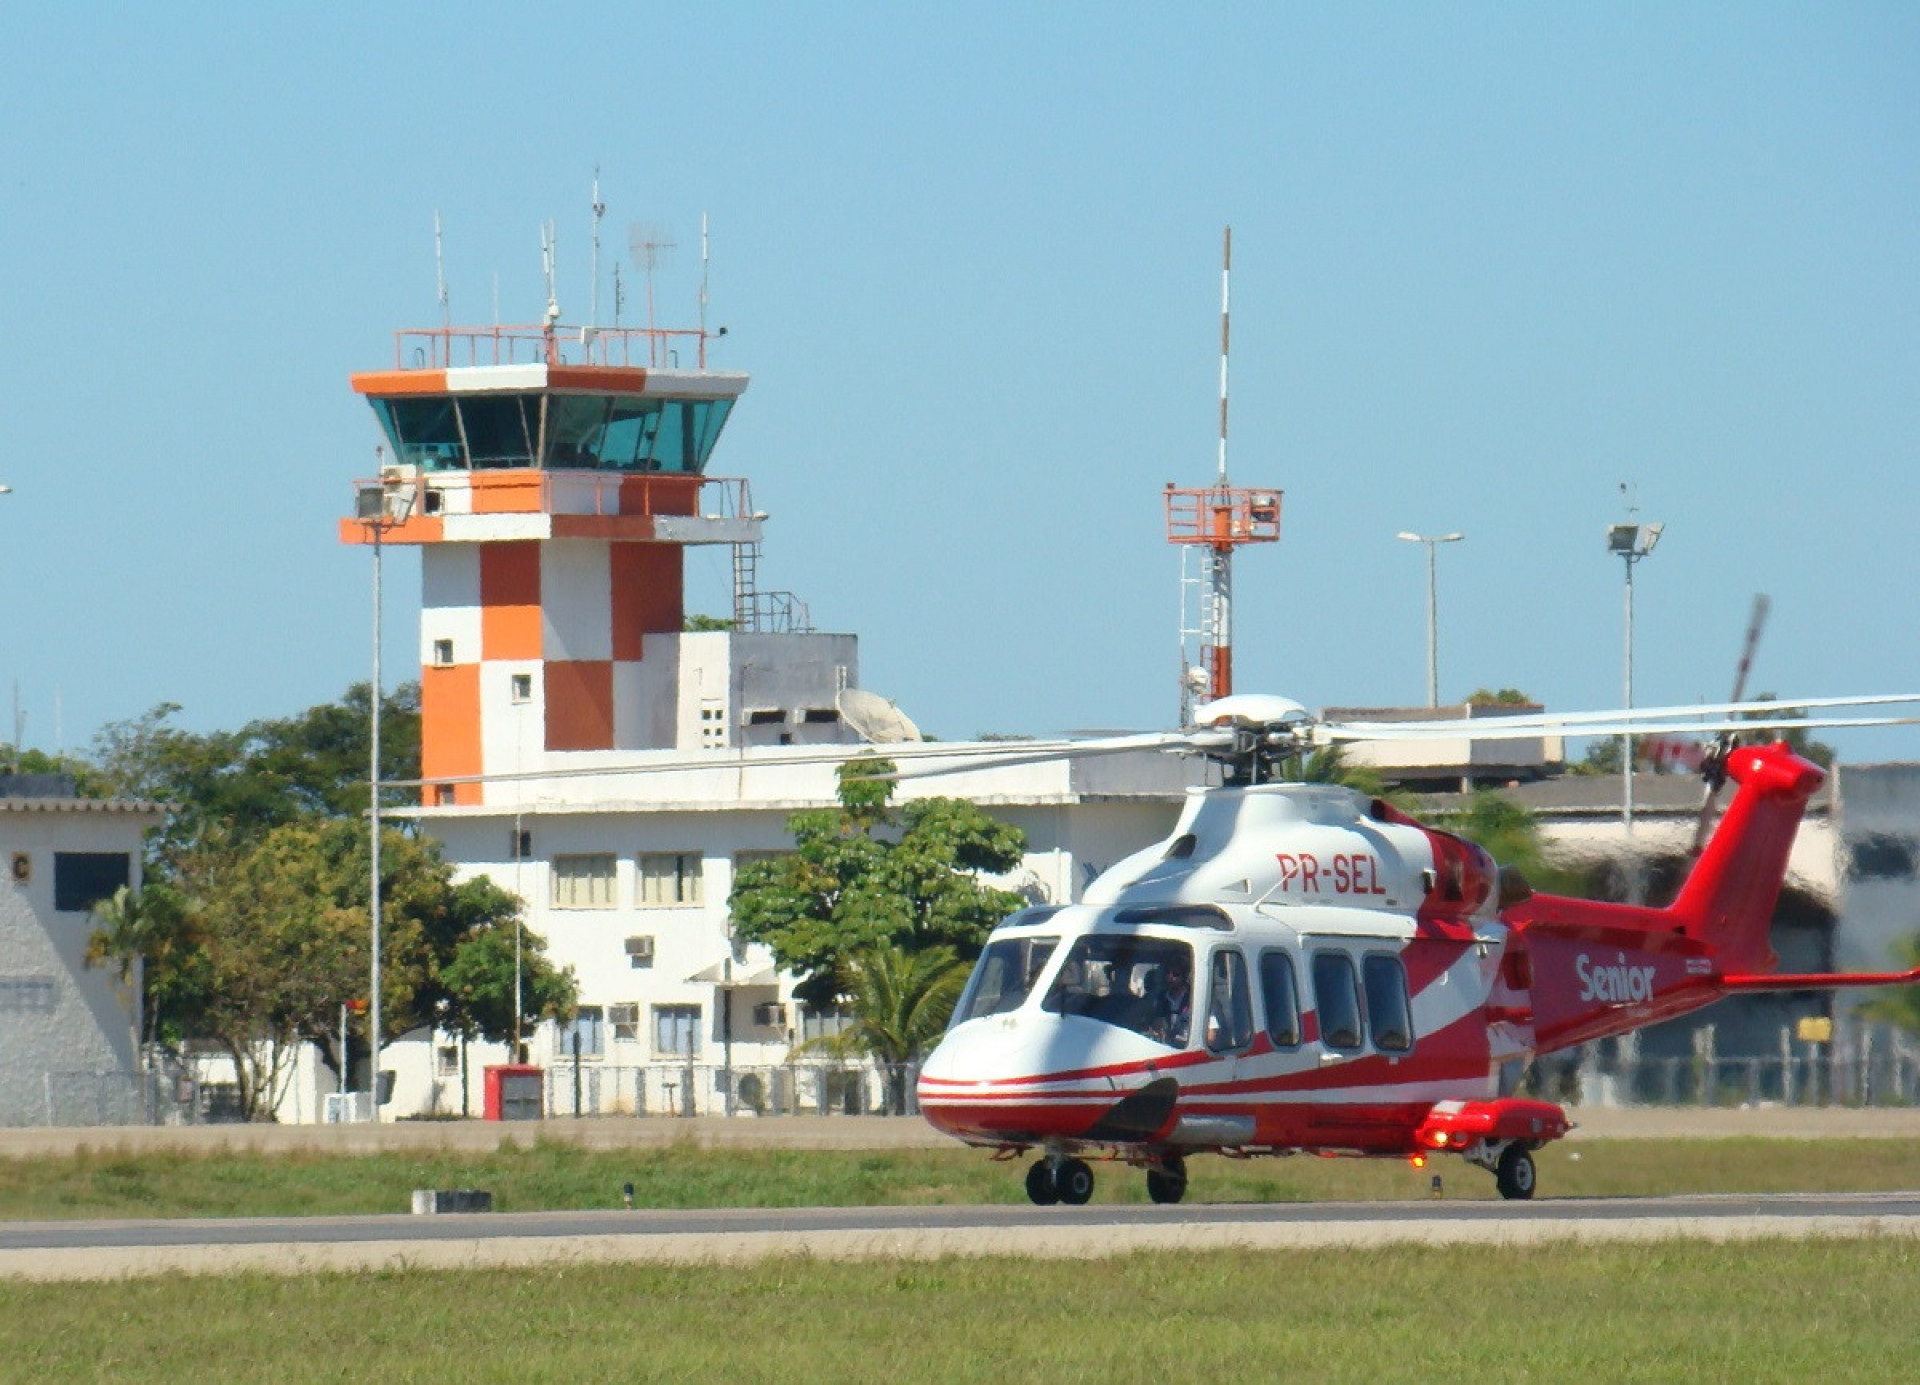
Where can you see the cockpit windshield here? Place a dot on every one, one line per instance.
(1142, 984)
(1003, 977)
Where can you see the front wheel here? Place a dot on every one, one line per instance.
(1041, 1189)
(1514, 1176)
(1168, 1183)
(1074, 1180)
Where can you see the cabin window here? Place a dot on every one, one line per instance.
(1003, 977)
(1388, 1011)
(1336, 999)
(1282, 999)
(1142, 984)
(1229, 1006)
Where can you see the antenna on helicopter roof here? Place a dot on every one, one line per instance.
(440, 272)
(599, 210)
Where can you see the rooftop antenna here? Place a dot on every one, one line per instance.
(549, 248)
(440, 271)
(648, 240)
(619, 294)
(1226, 272)
(599, 210)
(703, 287)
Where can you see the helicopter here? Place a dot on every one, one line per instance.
(1298, 968)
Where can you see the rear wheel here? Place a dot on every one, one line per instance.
(1514, 1175)
(1040, 1185)
(1168, 1183)
(1074, 1182)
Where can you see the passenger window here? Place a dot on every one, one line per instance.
(1388, 1012)
(1282, 999)
(1336, 999)
(1229, 1006)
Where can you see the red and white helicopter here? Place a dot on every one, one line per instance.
(1355, 983)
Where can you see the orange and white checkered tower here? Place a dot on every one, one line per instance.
(553, 478)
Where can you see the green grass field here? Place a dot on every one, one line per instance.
(1758, 1312)
(547, 1175)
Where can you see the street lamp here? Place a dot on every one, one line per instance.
(379, 505)
(1433, 643)
(1632, 542)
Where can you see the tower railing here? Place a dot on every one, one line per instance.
(626, 348)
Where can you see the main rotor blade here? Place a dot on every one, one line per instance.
(970, 755)
(1497, 729)
(1617, 722)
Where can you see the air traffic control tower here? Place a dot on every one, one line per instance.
(553, 478)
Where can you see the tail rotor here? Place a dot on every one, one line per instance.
(1713, 761)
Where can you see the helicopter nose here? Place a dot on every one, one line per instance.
(994, 1082)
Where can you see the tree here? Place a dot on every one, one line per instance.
(477, 983)
(899, 1002)
(1510, 833)
(1898, 1005)
(861, 878)
(141, 936)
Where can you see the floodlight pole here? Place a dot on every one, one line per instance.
(1632, 541)
(1433, 624)
(379, 505)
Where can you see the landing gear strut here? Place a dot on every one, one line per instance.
(1059, 1180)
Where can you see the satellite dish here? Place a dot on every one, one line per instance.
(874, 718)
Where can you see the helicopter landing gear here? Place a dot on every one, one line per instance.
(1059, 1180)
(1040, 1189)
(1168, 1182)
(1514, 1174)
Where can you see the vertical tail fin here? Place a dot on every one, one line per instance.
(1728, 899)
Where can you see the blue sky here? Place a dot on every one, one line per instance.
(1490, 262)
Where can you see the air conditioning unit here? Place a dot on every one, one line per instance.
(625, 1020)
(640, 951)
(770, 1015)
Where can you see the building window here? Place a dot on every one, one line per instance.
(522, 687)
(442, 653)
(583, 882)
(676, 1031)
(713, 726)
(81, 879)
(586, 1035)
(446, 1060)
(669, 878)
(520, 844)
(443, 795)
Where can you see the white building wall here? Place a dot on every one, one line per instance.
(62, 1024)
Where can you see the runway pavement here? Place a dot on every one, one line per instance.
(119, 1249)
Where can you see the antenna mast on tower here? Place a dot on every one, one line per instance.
(1211, 523)
(599, 210)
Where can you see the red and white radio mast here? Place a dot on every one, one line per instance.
(1209, 524)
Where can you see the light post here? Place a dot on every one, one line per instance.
(1433, 627)
(379, 505)
(1632, 541)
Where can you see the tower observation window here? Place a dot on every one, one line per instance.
(584, 432)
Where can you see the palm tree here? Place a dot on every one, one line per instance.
(900, 1002)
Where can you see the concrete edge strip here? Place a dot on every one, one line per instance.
(1050, 1242)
